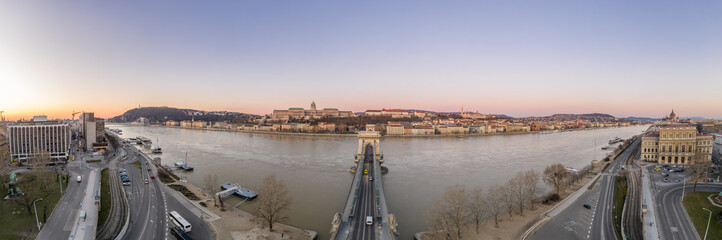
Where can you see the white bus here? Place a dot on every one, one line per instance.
(180, 221)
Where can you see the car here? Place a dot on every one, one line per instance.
(587, 206)
(371, 178)
(126, 183)
(369, 220)
(152, 177)
(148, 169)
(677, 180)
(146, 181)
(366, 171)
(666, 180)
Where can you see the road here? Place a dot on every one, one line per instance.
(61, 221)
(576, 222)
(148, 209)
(366, 205)
(150, 204)
(673, 216)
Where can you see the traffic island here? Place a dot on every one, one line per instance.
(695, 203)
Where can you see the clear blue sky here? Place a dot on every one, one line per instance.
(625, 58)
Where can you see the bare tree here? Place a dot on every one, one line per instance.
(699, 173)
(4, 167)
(495, 202)
(210, 183)
(508, 200)
(518, 191)
(477, 207)
(41, 159)
(531, 185)
(30, 193)
(272, 199)
(554, 176)
(450, 213)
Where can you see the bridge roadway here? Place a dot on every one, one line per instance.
(365, 199)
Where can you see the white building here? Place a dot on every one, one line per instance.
(25, 141)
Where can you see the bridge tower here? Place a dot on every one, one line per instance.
(369, 137)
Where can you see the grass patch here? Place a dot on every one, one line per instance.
(104, 197)
(594, 183)
(620, 193)
(182, 189)
(15, 220)
(694, 202)
(137, 164)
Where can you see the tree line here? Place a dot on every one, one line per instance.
(460, 207)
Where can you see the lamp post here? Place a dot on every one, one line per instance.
(36, 213)
(708, 220)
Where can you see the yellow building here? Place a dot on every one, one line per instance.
(677, 144)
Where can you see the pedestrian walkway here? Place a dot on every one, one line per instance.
(196, 209)
(85, 228)
(650, 231)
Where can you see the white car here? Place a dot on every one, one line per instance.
(369, 220)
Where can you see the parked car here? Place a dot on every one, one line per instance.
(587, 206)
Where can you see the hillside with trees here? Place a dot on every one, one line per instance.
(162, 114)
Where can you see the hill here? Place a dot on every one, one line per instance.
(162, 114)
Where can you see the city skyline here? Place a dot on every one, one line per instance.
(531, 59)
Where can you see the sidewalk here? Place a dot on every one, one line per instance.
(85, 228)
(650, 232)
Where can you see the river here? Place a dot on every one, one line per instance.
(315, 168)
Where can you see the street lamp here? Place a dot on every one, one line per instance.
(36, 213)
(710, 218)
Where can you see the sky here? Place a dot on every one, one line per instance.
(520, 58)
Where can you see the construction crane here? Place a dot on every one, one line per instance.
(74, 113)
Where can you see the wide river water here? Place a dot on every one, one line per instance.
(315, 168)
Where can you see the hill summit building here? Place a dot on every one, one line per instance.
(306, 114)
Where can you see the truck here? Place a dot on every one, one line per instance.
(80, 178)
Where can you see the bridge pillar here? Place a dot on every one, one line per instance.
(366, 138)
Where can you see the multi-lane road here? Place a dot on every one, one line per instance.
(366, 205)
(672, 218)
(577, 222)
(150, 204)
(60, 224)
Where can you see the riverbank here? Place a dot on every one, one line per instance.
(233, 223)
(386, 136)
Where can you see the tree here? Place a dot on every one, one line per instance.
(41, 159)
(508, 199)
(495, 202)
(272, 199)
(450, 213)
(554, 176)
(518, 192)
(531, 185)
(477, 207)
(30, 193)
(4, 167)
(210, 183)
(699, 172)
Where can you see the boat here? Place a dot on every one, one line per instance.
(605, 148)
(616, 140)
(184, 165)
(157, 149)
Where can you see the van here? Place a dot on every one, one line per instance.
(369, 220)
(82, 215)
(80, 178)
